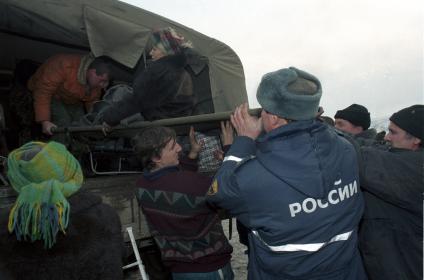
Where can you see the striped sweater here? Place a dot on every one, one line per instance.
(188, 232)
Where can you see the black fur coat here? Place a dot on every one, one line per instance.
(91, 249)
(157, 93)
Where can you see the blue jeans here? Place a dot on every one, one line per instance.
(224, 273)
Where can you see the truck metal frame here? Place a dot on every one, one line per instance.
(35, 30)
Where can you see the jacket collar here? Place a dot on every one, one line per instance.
(367, 134)
(82, 70)
(290, 129)
(401, 150)
(154, 175)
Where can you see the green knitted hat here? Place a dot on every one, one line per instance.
(44, 175)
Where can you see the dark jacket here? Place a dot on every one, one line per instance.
(297, 189)
(156, 93)
(391, 233)
(366, 137)
(188, 232)
(91, 249)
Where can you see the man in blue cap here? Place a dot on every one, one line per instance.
(295, 186)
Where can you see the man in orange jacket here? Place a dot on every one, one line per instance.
(63, 84)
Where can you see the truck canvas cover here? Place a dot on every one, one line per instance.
(37, 29)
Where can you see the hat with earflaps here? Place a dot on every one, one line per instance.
(290, 93)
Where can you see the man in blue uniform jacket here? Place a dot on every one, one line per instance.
(295, 187)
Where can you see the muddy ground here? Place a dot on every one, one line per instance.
(239, 258)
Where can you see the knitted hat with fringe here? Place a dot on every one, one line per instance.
(44, 175)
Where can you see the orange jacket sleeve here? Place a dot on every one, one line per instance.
(53, 78)
(45, 83)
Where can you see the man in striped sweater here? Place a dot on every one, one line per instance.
(172, 196)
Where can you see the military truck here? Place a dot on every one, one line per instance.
(32, 31)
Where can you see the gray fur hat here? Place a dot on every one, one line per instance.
(285, 93)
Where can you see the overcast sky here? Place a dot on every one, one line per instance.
(364, 51)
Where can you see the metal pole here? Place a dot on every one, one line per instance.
(137, 256)
(190, 120)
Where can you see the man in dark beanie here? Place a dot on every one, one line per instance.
(353, 119)
(391, 233)
(406, 128)
(356, 121)
(293, 181)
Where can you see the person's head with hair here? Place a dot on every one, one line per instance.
(406, 128)
(99, 72)
(287, 95)
(354, 119)
(44, 175)
(328, 120)
(167, 41)
(157, 147)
